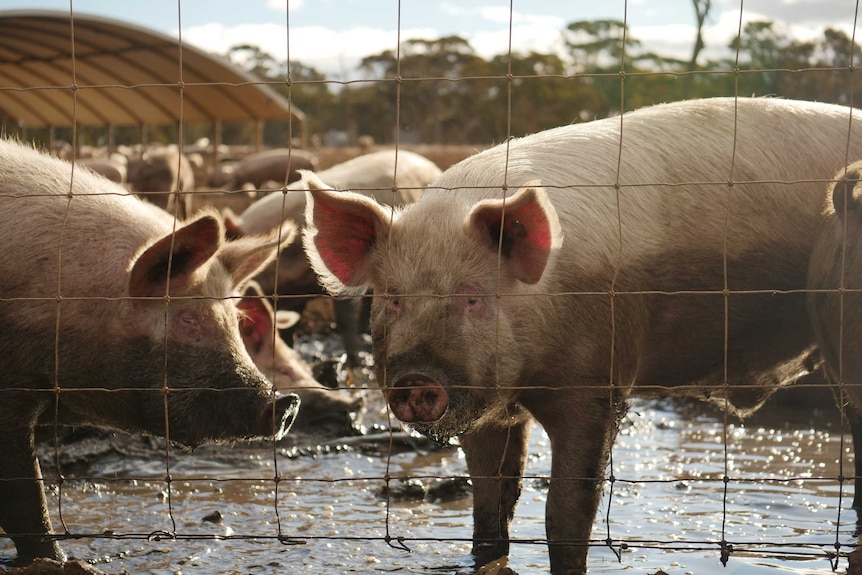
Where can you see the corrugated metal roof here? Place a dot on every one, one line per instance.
(116, 73)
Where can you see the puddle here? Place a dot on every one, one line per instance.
(328, 513)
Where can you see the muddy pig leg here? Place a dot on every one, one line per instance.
(582, 428)
(347, 322)
(495, 460)
(854, 418)
(23, 509)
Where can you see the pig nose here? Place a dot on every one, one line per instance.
(415, 398)
(278, 415)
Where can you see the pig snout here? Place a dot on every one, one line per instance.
(278, 415)
(416, 398)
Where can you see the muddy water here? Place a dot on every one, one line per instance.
(331, 511)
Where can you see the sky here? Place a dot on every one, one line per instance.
(334, 35)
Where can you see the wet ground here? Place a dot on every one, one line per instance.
(330, 500)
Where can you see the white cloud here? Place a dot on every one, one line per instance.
(524, 39)
(496, 14)
(455, 9)
(335, 53)
(670, 40)
(284, 5)
(811, 13)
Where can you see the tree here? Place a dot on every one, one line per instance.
(302, 85)
(421, 85)
(599, 45)
(701, 11)
(542, 95)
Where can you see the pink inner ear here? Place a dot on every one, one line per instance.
(530, 222)
(344, 239)
(255, 322)
(526, 234)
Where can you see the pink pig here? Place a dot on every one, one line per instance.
(552, 277)
(116, 316)
(283, 366)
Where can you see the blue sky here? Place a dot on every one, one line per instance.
(333, 35)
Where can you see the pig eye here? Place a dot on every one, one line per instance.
(188, 320)
(471, 301)
(393, 303)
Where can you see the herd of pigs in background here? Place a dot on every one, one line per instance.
(457, 366)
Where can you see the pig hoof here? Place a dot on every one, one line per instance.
(417, 399)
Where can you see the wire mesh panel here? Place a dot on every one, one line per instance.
(565, 354)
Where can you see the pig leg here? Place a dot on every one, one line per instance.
(347, 321)
(582, 430)
(495, 460)
(23, 508)
(854, 418)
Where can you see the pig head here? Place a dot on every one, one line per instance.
(280, 363)
(163, 176)
(116, 316)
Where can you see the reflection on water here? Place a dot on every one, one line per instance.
(669, 507)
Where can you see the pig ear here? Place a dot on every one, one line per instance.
(232, 225)
(342, 229)
(285, 319)
(847, 195)
(524, 226)
(174, 259)
(255, 321)
(247, 256)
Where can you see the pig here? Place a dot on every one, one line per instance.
(109, 168)
(164, 177)
(550, 278)
(114, 316)
(834, 299)
(393, 177)
(222, 174)
(279, 164)
(283, 366)
(373, 174)
(279, 363)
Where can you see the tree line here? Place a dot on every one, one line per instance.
(448, 94)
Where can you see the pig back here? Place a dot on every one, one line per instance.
(699, 196)
(53, 214)
(375, 174)
(371, 174)
(689, 174)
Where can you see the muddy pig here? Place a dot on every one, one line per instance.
(108, 168)
(279, 363)
(283, 366)
(164, 177)
(279, 165)
(836, 265)
(110, 319)
(554, 276)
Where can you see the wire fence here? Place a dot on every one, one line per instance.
(119, 317)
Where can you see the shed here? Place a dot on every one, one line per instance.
(60, 68)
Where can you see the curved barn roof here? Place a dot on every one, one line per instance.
(121, 74)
